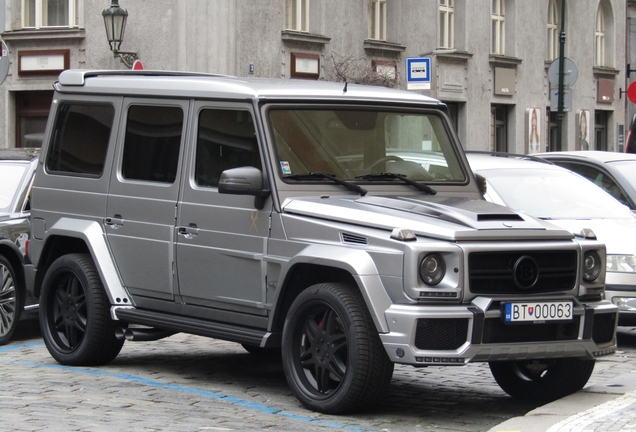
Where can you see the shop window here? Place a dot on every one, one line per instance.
(32, 111)
(499, 128)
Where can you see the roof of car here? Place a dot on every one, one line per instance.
(190, 84)
(487, 161)
(25, 154)
(600, 156)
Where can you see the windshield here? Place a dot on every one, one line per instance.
(10, 177)
(553, 194)
(359, 141)
(628, 170)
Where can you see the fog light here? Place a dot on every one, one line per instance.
(399, 352)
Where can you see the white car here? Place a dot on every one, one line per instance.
(549, 192)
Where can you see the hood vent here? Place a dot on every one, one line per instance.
(499, 217)
(353, 239)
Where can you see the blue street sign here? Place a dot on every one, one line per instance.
(418, 73)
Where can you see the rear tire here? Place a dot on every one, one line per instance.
(333, 358)
(10, 301)
(542, 380)
(75, 314)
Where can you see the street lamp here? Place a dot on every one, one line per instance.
(115, 22)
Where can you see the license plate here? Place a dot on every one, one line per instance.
(538, 311)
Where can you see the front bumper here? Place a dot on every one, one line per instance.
(454, 335)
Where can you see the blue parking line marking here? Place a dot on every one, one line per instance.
(175, 387)
(19, 347)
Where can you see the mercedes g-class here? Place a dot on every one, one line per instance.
(336, 225)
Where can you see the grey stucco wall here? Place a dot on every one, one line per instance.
(226, 36)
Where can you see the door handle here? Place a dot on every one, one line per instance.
(189, 232)
(114, 222)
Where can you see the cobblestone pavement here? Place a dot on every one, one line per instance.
(190, 383)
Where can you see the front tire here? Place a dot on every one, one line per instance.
(74, 314)
(542, 380)
(333, 358)
(10, 301)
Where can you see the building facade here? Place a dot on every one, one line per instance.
(489, 60)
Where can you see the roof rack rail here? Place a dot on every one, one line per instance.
(77, 77)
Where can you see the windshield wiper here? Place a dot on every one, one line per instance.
(383, 176)
(314, 175)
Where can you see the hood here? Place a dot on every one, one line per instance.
(445, 218)
(619, 235)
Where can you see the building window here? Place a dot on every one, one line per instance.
(297, 15)
(498, 27)
(553, 31)
(599, 36)
(446, 23)
(50, 13)
(377, 19)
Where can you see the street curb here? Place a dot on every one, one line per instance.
(597, 403)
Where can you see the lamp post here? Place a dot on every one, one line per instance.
(561, 86)
(115, 23)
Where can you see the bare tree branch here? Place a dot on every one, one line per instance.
(357, 70)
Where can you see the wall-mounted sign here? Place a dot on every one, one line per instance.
(5, 61)
(305, 65)
(43, 62)
(418, 73)
(385, 69)
(631, 92)
(605, 91)
(505, 84)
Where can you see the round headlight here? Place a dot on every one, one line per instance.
(591, 266)
(432, 269)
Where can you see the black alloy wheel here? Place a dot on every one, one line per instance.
(10, 301)
(74, 314)
(332, 354)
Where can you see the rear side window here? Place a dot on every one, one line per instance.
(153, 142)
(80, 139)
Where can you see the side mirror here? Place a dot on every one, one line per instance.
(244, 181)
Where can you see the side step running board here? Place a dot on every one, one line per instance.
(248, 336)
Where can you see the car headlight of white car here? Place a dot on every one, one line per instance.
(621, 263)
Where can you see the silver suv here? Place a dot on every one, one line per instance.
(336, 225)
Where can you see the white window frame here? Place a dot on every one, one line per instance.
(297, 15)
(599, 38)
(447, 24)
(377, 20)
(498, 17)
(553, 31)
(40, 14)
